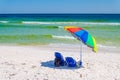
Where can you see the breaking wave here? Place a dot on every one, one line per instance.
(62, 23)
(4, 21)
(63, 37)
(71, 23)
(101, 23)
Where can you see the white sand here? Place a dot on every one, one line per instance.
(36, 63)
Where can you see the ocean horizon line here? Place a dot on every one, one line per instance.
(63, 13)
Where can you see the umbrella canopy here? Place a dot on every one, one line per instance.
(83, 36)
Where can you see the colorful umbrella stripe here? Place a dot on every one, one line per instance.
(83, 35)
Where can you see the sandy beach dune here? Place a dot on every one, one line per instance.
(36, 63)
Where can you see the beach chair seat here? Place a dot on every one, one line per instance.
(59, 60)
(70, 62)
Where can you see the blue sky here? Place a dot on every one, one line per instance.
(59, 6)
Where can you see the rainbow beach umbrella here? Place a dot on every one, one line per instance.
(83, 36)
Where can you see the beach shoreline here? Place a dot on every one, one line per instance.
(36, 63)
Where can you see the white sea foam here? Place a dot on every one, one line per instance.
(101, 23)
(3, 21)
(63, 37)
(67, 23)
(106, 46)
(71, 23)
(35, 22)
(38, 22)
(61, 27)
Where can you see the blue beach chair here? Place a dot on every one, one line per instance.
(59, 60)
(70, 62)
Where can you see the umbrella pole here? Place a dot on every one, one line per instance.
(80, 55)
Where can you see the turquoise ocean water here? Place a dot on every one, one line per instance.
(37, 29)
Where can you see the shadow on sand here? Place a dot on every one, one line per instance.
(50, 64)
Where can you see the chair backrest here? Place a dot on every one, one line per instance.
(58, 55)
(70, 62)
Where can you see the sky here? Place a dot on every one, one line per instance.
(60, 6)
